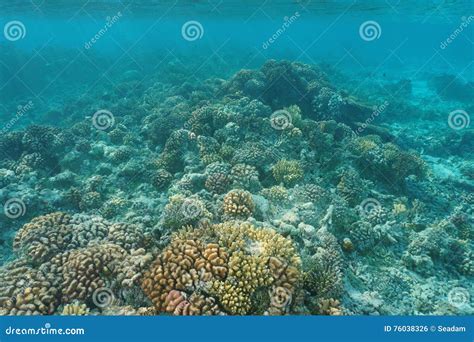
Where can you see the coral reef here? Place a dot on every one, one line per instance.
(268, 193)
(220, 269)
(238, 204)
(288, 172)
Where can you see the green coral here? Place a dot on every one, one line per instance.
(288, 172)
(276, 193)
(182, 211)
(161, 179)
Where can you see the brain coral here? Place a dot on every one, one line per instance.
(224, 269)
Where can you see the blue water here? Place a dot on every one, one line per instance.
(147, 36)
(375, 190)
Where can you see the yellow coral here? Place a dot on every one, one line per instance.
(226, 263)
(276, 193)
(75, 309)
(288, 172)
(329, 307)
(238, 203)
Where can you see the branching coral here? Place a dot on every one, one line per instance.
(181, 211)
(218, 182)
(277, 193)
(128, 236)
(387, 162)
(75, 309)
(352, 187)
(26, 291)
(245, 177)
(220, 269)
(323, 275)
(252, 153)
(288, 172)
(238, 204)
(312, 193)
(70, 257)
(329, 307)
(81, 272)
(274, 148)
(50, 234)
(161, 179)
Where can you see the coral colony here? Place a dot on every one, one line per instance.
(265, 194)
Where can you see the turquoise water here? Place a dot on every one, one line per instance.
(342, 127)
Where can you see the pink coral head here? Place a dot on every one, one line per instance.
(173, 300)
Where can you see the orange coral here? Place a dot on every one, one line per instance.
(220, 269)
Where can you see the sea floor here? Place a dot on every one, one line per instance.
(289, 188)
